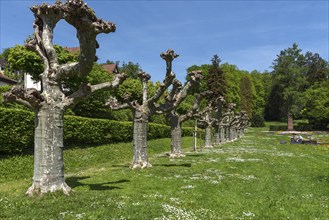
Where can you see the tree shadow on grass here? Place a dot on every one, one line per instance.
(174, 165)
(74, 182)
(323, 179)
(121, 165)
(194, 155)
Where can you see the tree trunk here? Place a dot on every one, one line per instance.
(48, 151)
(222, 134)
(176, 137)
(227, 133)
(208, 143)
(140, 157)
(231, 133)
(195, 133)
(216, 135)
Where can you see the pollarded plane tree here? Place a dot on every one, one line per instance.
(143, 109)
(234, 126)
(219, 102)
(50, 103)
(244, 123)
(239, 123)
(206, 117)
(225, 121)
(169, 108)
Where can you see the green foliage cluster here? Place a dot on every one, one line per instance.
(23, 60)
(297, 85)
(257, 120)
(316, 108)
(298, 127)
(16, 132)
(3, 89)
(293, 74)
(246, 94)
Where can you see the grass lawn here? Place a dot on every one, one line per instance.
(255, 177)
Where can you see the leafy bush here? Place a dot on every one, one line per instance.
(304, 127)
(299, 127)
(87, 131)
(278, 127)
(17, 130)
(157, 131)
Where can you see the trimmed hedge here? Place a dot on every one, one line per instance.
(299, 127)
(17, 131)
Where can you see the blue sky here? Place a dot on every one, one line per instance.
(248, 34)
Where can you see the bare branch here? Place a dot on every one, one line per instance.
(195, 107)
(169, 56)
(88, 26)
(30, 97)
(176, 87)
(46, 18)
(118, 79)
(114, 104)
(144, 77)
(86, 90)
(227, 115)
(68, 70)
(162, 88)
(195, 77)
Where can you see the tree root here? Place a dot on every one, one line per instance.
(176, 155)
(37, 189)
(140, 165)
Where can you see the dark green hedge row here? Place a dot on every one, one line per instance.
(17, 128)
(302, 127)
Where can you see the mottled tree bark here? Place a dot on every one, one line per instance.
(217, 126)
(140, 157)
(217, 135)
(222, 134)
(208, 135)
(176, 136)
(208, 131)
(48, 151)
